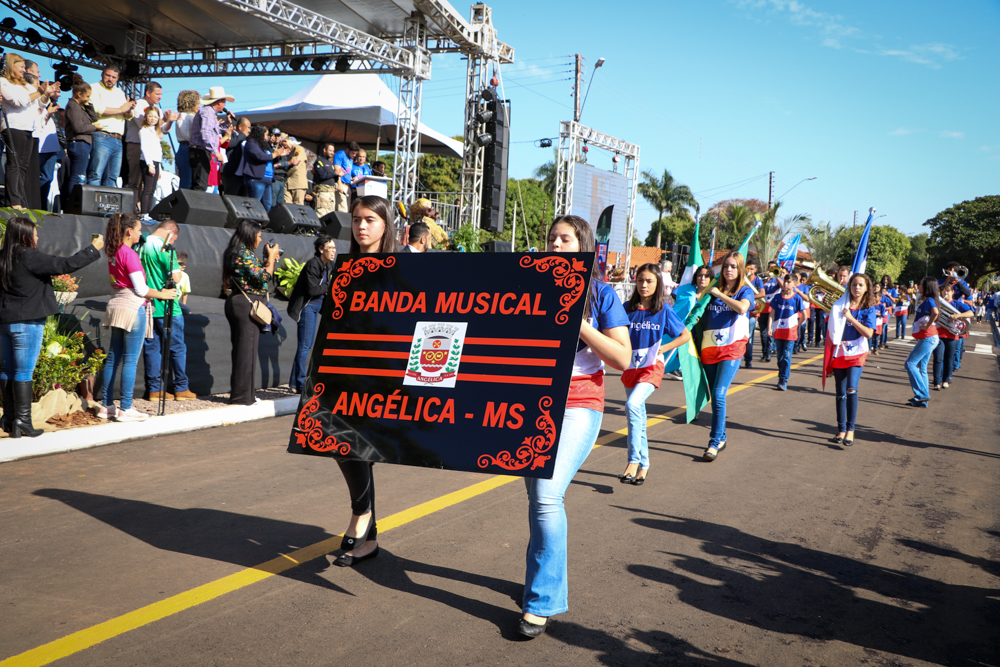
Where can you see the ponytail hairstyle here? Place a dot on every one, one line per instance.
(634, 301)
(724, 287)
(382, 209)
(585, 237)
(114, 234)
(868, 298)
(20, 234)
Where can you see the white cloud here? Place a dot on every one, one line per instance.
(950, 134)
(931, 55)
(903, 131)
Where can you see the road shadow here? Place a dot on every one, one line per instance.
(240, 539)
(791, 589)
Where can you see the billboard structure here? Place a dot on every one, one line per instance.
(581, 188)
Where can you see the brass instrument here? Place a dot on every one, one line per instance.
(758, 303)
(823, 291)
(960, 273)
(958, 327)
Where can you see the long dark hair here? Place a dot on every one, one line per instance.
(259, 134)
(635, 300)
(20, 235)
(382, 209)
(868, 298)
(114, 233)
(585, 237)
(929, 289)
(245, 235)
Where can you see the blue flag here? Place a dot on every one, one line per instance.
(861, 256)
(789, 252)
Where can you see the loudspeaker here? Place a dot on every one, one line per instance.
(192, 207)
(292, 218)
(98, 200)
(496, 246)
(337, 225)
(244, 208)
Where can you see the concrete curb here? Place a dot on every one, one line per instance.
(107, 434)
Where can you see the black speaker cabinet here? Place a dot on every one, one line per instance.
(292, 218)
(192, 207)
(99, 200)
(496, 246)
(337, 225)
(244, 208)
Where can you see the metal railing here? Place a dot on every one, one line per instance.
(447, 204)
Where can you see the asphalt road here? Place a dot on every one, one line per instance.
(207, 548)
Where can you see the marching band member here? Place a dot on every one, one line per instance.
(945, 355)
(901, 309)
(805, 326)
(880, 318)
(848, 358)
(726, 329)
(787, 310)
(758, 285)
(925, 333)
(771, 287)
(652, 319)
(372, 230)
(604, 339)
(887, 304)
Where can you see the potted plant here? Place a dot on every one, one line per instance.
(66, 288)
(288, 275)
(63, 362)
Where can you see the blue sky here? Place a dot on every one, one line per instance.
(889, 104)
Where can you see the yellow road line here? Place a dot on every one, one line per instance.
(83, 639)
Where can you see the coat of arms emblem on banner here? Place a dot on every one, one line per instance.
(435, 354)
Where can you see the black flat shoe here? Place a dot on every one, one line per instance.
(343, 560)
(531, 630)
(848, 443)
(837, 441)
(626, 479)
(638, 481)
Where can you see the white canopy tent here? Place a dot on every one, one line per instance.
(343, 108)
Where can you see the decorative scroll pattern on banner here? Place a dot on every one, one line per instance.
(567, 275)
(532, 450)
(352, 269)
(310, 431)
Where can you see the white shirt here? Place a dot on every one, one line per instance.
(183, 126)
(412, 249)
(149, 142)
(22, 111)
(102, 99)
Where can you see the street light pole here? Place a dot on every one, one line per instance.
(579, 71)
(811, 178)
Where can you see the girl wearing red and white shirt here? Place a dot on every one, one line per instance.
(925, 334)
(848, 358)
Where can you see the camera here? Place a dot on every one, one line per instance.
(271, 244)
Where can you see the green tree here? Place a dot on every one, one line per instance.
(533, 205)
(667, 196)
(825, 242)
(546, 173)
(888, 250)
(917, 260)
(439, 173)
(673, 229)
(969, 233)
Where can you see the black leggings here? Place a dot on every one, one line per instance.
(147, 186)
(20, 142)
(244, 335)
(360, 479)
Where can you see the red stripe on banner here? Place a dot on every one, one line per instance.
(503, 379)
(508, 361)
(827, 361)
(373, 337)
(381, 372)
(520, 342)
(371, 354)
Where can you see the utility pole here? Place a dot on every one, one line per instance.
(576, 88)
(770, 188)
(854, 226)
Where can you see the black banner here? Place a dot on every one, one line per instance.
(445, 360)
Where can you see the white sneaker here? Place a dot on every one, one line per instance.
(131, 415)
(104, 411)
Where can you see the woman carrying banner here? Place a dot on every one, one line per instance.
(925, 334)
(604, 339)
(372, 230)
(726, 329)
(847, 360)
(652, 319)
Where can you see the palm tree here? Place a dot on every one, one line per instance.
(546, 173)
(736, 222)
(667, 196)
(771, 233)
(825, 242)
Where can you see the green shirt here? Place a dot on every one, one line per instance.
(158, 265)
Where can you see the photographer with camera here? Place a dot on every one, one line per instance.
(244, 280)
(163, 271)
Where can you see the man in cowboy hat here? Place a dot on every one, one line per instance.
(207, 136)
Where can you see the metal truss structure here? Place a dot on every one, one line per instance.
(573, 137)
(404, 48)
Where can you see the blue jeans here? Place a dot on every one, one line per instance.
(20, 344)
(720, 376)
(546, 577)
(784, 353)
(748, 355)
(181, 164)
(884, 339)
(259, 189)
(638, 446)
(308, 321)
(124, 350)
(959, 353)
(944, 359)
(105, 161)
(79, 160)
(277, 192)
(47, 165)
(846, 383)
(766, 342)
(151, 357)
(801, 342)
(916, 366)
(901, 326)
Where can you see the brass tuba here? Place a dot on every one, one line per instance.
(958, 327)
(822, 290)
(758, 303)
